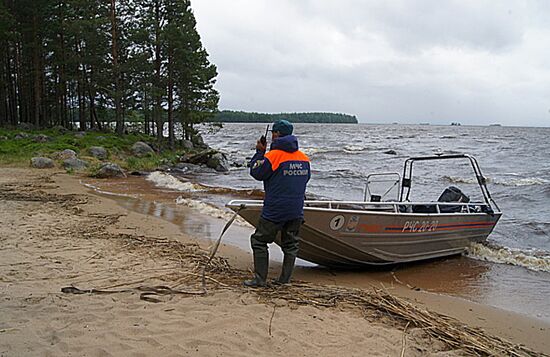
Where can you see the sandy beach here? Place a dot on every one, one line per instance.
(132, 286)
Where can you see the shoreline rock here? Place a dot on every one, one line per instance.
(210, 158)
(75, 164)
(141, 149)
(109, 169)
(65, 154)
(98, 152)
(42, 163)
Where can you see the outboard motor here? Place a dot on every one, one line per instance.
(453, 194)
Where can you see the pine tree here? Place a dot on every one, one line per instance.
(8, 114)
(192, 73)
(96, 61)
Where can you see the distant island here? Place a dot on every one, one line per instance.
(229, 116)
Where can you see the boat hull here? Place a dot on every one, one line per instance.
(344, 238)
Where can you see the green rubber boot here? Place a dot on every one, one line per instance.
(286, 271)
(261, 266)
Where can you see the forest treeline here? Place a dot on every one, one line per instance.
(229, 116)
(96, 63)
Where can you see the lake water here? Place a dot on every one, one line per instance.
(512, 270)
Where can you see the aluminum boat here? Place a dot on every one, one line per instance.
(378, 232)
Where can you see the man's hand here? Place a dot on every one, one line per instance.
(261, 145)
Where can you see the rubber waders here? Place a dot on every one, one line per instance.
(261, 266)
(286, 272)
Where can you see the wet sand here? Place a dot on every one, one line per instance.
(509, 287)
(61, 240)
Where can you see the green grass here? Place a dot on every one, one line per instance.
(19, 152)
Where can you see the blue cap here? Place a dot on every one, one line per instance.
(283, 127)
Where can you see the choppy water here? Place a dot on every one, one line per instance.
(515, 160)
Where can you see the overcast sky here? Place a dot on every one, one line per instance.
(474, 62)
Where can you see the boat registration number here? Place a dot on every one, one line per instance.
(420, 226)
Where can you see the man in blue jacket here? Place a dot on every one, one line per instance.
(285, 171)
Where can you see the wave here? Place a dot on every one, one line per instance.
(456, 179)
(353, 149)
(338, 174)
(530, 259)
(253, 192)
(98, 190)
(210, 210)
(529, 181)
(314, 151)
(164, 180)
(348, 149)
(161, 179)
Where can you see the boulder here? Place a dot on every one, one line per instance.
(41, 138)
(198, 142)
(186, 167)
(163, 168)
(75, 164)
(187, 144)
(142, 149)
(218, 162)
(25, 126)
(139, 173)
(2, 138)
(239, 163)
(20, 136)
(60, 129)
(98, 152)
(42, 163)
(65, 154)
(110, 170)
(199, 158)
(80, 134)
(390, 152)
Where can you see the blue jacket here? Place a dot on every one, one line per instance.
(285, 171)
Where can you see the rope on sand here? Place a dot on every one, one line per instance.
(147, 293)
(374, 304)
(217, 245)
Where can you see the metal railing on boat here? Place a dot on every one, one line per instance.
(403, 207)
(389, 206)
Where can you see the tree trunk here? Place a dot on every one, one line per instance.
(158, 63)
(94, 121)
(62, 77)
(171, 136)
(146, 112)
(12, 89)
(119, 129)
(3, 88)
(20, 93)
(37, 70)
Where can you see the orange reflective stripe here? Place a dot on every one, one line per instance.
(277, 157)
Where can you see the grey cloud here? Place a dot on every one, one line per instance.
(413, 25)
(475, 62)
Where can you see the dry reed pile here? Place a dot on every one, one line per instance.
(371, 303)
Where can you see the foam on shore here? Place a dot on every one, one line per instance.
(164, 180)
(210, 210)
(532, 260)
(98, 190)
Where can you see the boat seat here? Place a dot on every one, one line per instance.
(424, 209)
